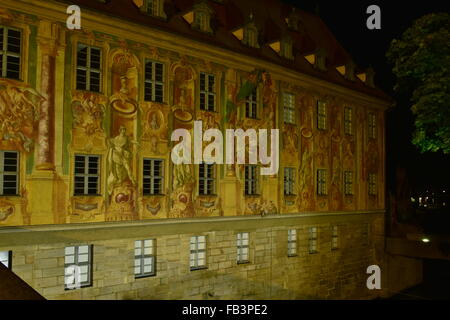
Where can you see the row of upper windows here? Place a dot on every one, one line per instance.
(89, 78)
(78, 260)
(87, 177)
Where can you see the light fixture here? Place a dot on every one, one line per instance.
(425, 240)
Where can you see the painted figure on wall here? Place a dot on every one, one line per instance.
(119, 158)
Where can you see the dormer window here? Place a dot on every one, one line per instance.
(202, 17)
(318, 59)
(286, 48)
(293, 21)
(154, 8)
(347, 70)
(251, 34)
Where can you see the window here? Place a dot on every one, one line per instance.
(313, 240)
(198, 253)
(334, 237)
(88, 68)
(286, 48)
(80, 258)
(292, 243)
(242, 247)
(372, 184)
(206, 182)
(251, 34)
(348, 183)
(202, 17)
(10, 51)
(5, 258)
(87, 169)
(251, 180)
(251, 104)
(289, 108)
(372, 126)
(9, 173)
(289, 181)
(321, 115)
(322, 182)
(365, 234)
(144, 258)
(207, 92)
(153, 175)
(154, 8)
(154, 81)
(348, 120)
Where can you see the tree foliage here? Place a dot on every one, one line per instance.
(421, 60)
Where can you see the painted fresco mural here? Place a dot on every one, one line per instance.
(119, 126)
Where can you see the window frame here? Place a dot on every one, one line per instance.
(240, 247)
(348, 121)
(86, 176)
(142, 257)
(372, 125)
(322, 115)
(5, 53)
(194, 253)
(289, 109)
(152, 177)
(372, 184)
(251, 181)
(207, 93)
(4, 173)
(348, 183)
(292, 251)
(203, 181)
(88, 68)
(313, 240)
(89, 263)
(322, 182)
(290, 181)
(153, 82)
(334, 237)
(251, 105)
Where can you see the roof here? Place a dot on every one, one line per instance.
(270, 18)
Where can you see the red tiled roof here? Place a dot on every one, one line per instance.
(269, 17)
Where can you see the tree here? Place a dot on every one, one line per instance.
(421, 64)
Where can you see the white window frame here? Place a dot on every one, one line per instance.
(289, 108)
(322, 182)
(207, 182)
(292, 243)
(348, 120)
(197, 256)
(86, 175)
(251, 180)
(72, 257)
(242, 246)
(4, 173)
(251, 105)
(144, 257)
(372, 184)
(334, 237)
(322, 115)
(88, 68)
(207, 92)
(348, 183)
(5, 54)
(372, 122)
(151, 179)
(153, 83)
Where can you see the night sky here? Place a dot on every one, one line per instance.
(347, 21)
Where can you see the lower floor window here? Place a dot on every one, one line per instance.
(144, 258)
(242, 247)
(78, 266)
(198, 252)
(5, 258)
(313, 240)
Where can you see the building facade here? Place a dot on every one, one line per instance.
(87, 178)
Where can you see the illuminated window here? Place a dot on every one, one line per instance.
(153, 177)
(286, 48)
(207, 92)
(348, 183)
(334, 237)
(242, 240)
(313, 240)
(372, 184)
(9, 173)
(207, 179)
(5, 258)
(89, 68)
(87, 175)
(251, 180)
(78, 266)
(144, 258)
(10, 52)
(154, 81)
(372, 126)
(154, 8)
(348, 120)
(321, 115)
(289, 108)
(251, 34)
(289, 181)
(202, 17)
(322, 182)
(251, 105)
(292, 242)
(198, 253)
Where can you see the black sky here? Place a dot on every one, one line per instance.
(347, 21)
